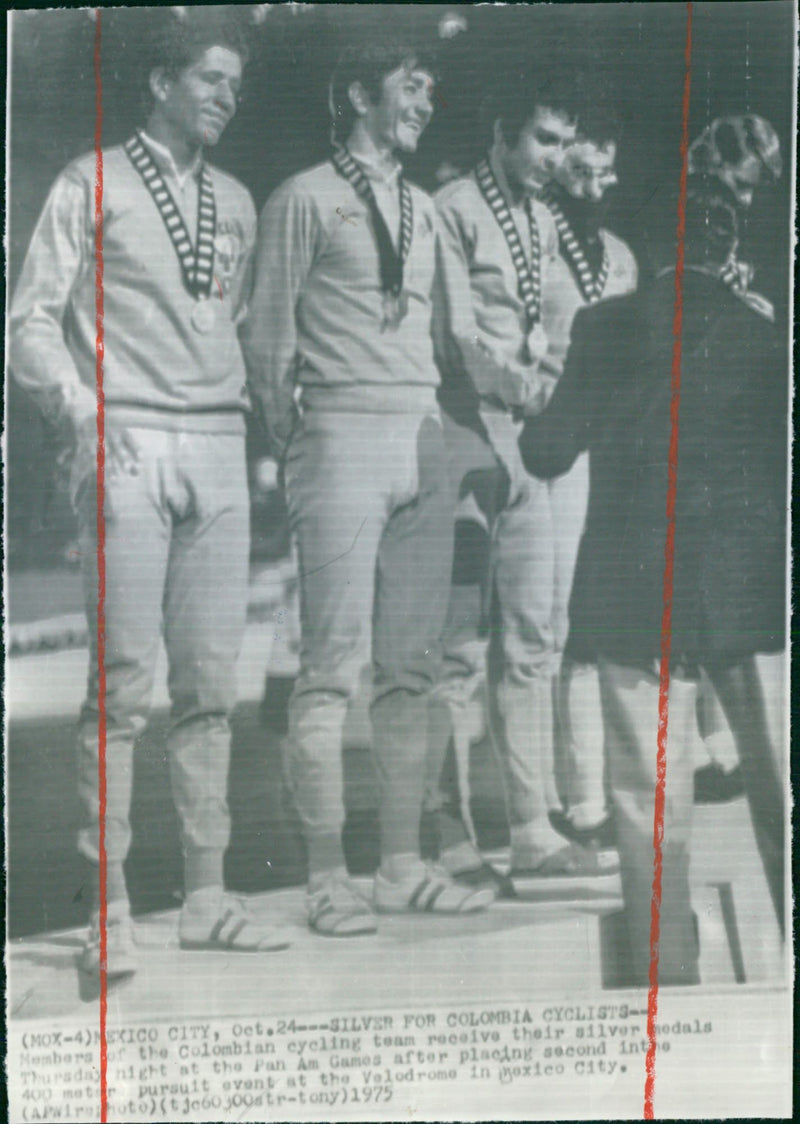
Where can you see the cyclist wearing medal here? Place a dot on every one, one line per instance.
(593, 265)
(176, 509)
(498, 248)
(340, 319)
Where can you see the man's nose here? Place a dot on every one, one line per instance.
(226, 98)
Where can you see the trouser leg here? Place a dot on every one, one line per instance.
(413, 579)
(740, 692)
(714, 730)
(457, 705)
(204, 616)
(478, 485)
(336, 473)
(578, 750)
(451, 711)
(135, 550)
(521, 653)
(580, 757)
(630, 713)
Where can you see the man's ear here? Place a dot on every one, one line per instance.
(359, 98)
(159, 83)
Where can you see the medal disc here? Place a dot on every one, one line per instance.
(203, 316)
(394, 309)
(536, 343)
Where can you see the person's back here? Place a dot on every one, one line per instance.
(730, 492)
(716, 407)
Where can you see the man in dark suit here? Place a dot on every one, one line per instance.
(614, 399)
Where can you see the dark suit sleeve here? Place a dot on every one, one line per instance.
(551, 442)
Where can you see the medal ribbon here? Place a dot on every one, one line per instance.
(528, 274)
(591, 285)
(197, 264)
(391, 262)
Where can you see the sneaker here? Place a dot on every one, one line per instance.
(121, 955)
(224, 923)
(466, 865)
(569, 861)
(429, 890)
(337, 909)
(601, 836)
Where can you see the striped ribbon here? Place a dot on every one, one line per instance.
(391, 262)
(528, 273)
(197, 264)
(590, 284)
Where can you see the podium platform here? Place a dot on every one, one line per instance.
(548, 941)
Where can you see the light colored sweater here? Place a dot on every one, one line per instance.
(158, 369)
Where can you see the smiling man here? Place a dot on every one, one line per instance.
(177, 237)
(340, 357)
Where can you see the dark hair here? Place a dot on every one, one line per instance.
(599, 121)
(369, 65)
(181, 36)
(177, 37)
(523, 91)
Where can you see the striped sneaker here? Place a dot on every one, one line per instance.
(429, 890)
(337, 909)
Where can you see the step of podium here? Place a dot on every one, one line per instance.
(546, 942)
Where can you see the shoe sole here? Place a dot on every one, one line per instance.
(364, 930)
(117, 974)
(215, 946)
(478, 902)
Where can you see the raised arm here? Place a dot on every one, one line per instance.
(551, 442)
(460, 344)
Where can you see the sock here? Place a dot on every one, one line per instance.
(325, 854)
(585, 816)
(116, 890)
(398, 867)
(318, 879)
(202, 867)
(460, 858)
(206, 900)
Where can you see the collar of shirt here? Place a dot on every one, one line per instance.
(376, 171)
(166, 161)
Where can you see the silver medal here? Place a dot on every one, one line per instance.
(395, 309)
(203, 316)
(536, 343)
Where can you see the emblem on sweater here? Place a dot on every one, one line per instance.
(228, 246)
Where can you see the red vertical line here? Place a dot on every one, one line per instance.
(666, 616)
(101, 562)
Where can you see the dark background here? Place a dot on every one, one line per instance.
(741, 62)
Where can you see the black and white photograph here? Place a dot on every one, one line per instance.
(397, 488)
